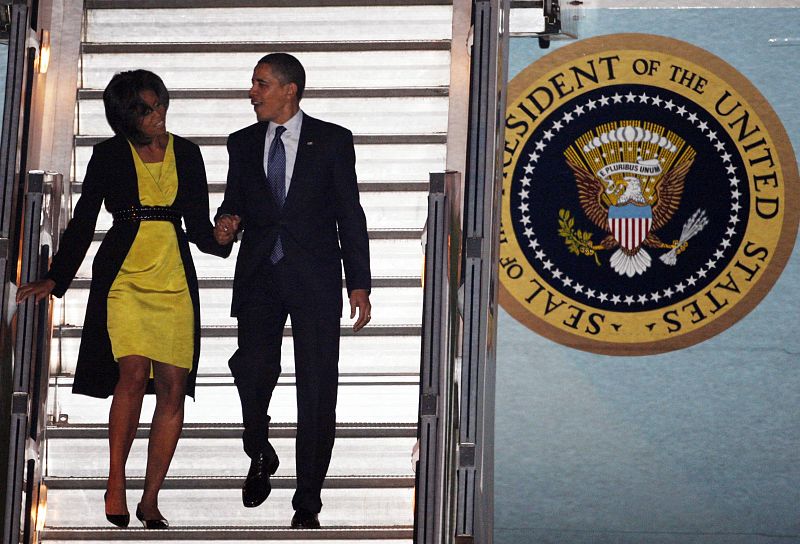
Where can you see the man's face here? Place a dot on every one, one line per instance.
(271, 100)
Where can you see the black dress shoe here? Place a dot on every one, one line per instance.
(303, 519)
(256, 487)
(120, 520)
(160, 523)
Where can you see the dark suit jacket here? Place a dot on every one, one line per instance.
(321, 223)
(111, 178)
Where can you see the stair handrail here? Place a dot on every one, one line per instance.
(42, 212)
(10, 143)
(441, 327)
(474, 457)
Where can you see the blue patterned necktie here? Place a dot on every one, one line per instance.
(276, 177)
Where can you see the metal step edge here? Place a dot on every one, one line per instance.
(223, 331)
(363, 186)
(365, 139)
(56, 379)
(376, 481)
(234, 431)
(374, 234)
(292, 375)
(214, 533)
(227, 381)
(228, 4)
(218, 379)
(263, 48)
(226, 283)
(328, 92)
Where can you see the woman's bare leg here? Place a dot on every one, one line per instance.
(123, 420)
(170, 384)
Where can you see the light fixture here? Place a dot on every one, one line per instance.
(44, 51)
(41, 511)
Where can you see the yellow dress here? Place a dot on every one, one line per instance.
(150, 309)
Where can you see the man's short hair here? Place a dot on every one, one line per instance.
(125, 108)
(287, 69)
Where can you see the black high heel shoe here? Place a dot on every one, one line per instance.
(150, 523)
(120, 520)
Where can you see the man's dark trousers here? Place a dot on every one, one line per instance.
(315, 320)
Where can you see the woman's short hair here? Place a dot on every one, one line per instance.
(125, 108)
(287, 69)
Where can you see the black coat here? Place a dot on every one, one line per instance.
(111, 178)
(321, 223)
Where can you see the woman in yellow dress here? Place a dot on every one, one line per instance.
(142, 327)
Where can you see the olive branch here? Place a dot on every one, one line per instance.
(578, 241)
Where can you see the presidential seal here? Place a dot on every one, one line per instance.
(650, 196)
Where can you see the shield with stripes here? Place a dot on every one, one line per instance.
(630, 224)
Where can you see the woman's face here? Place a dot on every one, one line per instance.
(153, 122)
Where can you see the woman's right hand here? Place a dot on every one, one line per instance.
(40, 289)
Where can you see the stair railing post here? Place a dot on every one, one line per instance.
(50, 228)
(482, 190)
(433, 520)
(9, 217)
(30, 377)
(24, 369)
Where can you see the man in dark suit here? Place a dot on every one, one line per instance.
(292, 191)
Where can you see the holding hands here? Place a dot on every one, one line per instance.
(225, 228)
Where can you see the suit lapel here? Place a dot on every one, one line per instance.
(258, 150)
(304, 161)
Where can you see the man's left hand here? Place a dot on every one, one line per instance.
(359, 298)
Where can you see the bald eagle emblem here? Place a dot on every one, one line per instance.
(630, 177)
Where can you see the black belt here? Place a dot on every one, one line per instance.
(147, 213)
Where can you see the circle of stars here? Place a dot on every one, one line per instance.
(616, 298)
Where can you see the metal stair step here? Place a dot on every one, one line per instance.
(228, 4)
(392, 306)
(263, 48)
(363, 186)
(286, 380)
(227, 482)
(388, 257)
(74, 331)
(366, 139)
(374, 234)
(286, 22)
(358, 355)
(390, 163)
(187, 508)
(234, 430)
(326, 69)
(236, 538)
(200, 457)
(227, 283)
(243, 94)
(218, 403)
(209, 121)
(386, 213)
(210, 534)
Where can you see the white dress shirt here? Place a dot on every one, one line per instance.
(290, 138)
